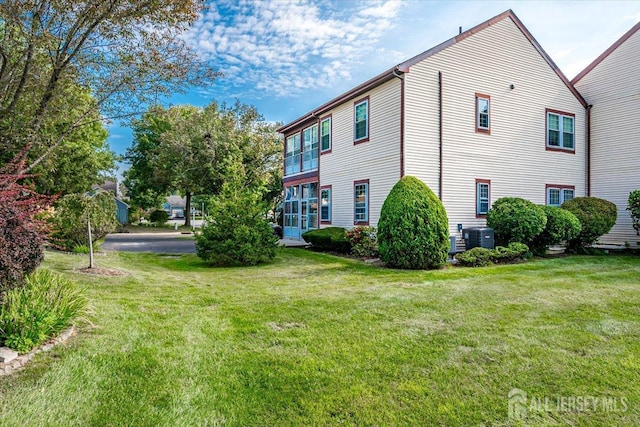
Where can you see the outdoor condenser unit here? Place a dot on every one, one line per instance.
(478, 237)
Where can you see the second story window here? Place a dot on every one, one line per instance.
(325, 134)
(560, 131)
(482, 113)
(292, 155)
(310, 148)
(361, 118)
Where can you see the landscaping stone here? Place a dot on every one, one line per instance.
(7, 355)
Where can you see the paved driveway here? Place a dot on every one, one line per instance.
(165, 243)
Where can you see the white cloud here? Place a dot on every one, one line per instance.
(284, 47)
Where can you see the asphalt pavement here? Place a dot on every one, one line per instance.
(164, 243)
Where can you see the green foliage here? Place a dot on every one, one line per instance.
(44, 307)
(597, 217)
(481, 257)
(364, 241)
(476, 257)
(562, 226)
(237, 231)
(330, 239)
(516, 220)
(634, 207)
(413, 230)
(159, 217)
(72, 212)
(80, 249)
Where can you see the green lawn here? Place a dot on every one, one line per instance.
(314, 339)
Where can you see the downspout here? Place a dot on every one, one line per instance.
(440, 133)
(395, 73)
(588, 154)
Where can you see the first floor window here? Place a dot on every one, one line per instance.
(560, 130)
(482, 113)
(361, 202)
(482, 196)
(557, 195)
(325, 204)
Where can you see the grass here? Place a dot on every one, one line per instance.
(314, 339)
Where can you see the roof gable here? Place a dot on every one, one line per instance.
(606, 53)
(405, 67)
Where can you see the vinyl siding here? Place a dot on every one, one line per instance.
(513, 157)
(377, 160)
(613, 88)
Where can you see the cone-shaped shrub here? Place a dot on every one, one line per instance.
(413, 230)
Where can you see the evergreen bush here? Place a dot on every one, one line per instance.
(596, 216)
(515, 220)
(330, 239)
(562, 226)
(634, 208)
(413, 230)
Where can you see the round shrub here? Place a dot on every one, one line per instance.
(562, 226)
(21, 246)
(329, 239)
(364, 241)
(476, 257)
(413, 230)
(515, 220)
(159, 216)
(597, 217)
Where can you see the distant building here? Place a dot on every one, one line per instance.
(175, 205)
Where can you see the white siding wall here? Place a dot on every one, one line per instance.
(377, 160)
(613, 88)
(513, 156)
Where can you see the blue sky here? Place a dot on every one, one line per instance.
(287, 57)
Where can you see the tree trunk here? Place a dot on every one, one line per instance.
(90, 242)
(187, 211)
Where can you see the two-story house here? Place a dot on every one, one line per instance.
(483, 115)
(612, 85)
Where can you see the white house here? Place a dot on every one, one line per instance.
(612, 85)
(485, 114)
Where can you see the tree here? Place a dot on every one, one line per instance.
(124, 53)
(196, 150)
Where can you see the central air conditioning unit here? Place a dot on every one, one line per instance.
(478, 237)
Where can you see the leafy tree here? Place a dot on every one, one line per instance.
(195, 150)
(125, 53)
(413, 230)
(75, 211)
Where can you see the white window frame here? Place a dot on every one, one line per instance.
(309, 148)
(357, 204)
(328, 205)
(325, 120)
(561, 194)
(292, 154)
(366, 121)
(480, 199)
(479, 127)
(561, 131)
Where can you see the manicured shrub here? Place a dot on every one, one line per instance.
(413, 230)
(481, 257)
(515, 220)
(562, 226)
(476, 257)
(236, 232)
(159, 216)
(634, 207)
(596, 216)
(330, 239)
(364, 242)
(41, 309)
(74, 210)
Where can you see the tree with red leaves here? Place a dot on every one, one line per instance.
(22, 235)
